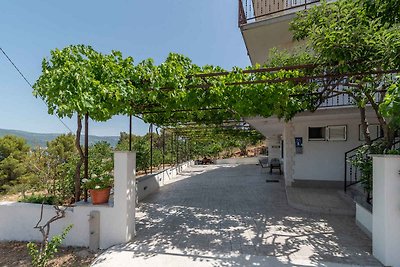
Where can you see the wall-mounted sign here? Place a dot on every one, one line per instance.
(298, 142)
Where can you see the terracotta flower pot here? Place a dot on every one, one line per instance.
(100, 196)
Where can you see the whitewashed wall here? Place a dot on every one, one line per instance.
(252, 160)
(320, 160)
(149, 184)
(323, 160)
(386, 209)
(117, 219)
(364, 219)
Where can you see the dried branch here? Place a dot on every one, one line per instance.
(45, 228)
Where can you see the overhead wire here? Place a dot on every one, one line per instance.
(30, 85)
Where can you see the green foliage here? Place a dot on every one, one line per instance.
(100, 167)
(39, 199)
(13, 152)
(387, 11)
(342, 33)
(357, 36)
(41, 255)
(98, 182)
(363, 161)
(78, 79)
(100, 159)
(44, 170)
(390, 107)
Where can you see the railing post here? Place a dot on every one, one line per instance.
(130, 132)
(151, 148)
(163, 149)
(177, 149)
(345, 172)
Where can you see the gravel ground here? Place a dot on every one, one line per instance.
(16, 254)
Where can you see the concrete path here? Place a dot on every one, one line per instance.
(227, 215)
(321, 200)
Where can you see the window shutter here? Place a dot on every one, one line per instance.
(337, 133)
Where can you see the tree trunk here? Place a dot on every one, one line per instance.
(81, 159)
(364, 124)
(86, 166)
(388, 133)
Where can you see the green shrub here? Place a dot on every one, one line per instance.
(39, 199)
(41, 255)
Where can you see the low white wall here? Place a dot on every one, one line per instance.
(18, 219)
(149, 184)
(364, 219)
(253, 160)
(117, 219)
(386, 209)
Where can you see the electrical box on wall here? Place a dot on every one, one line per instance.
(298, 141)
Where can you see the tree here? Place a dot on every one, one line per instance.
(79, 80)
(349, 36)
(13, 152)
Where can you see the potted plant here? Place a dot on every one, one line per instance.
(99, 187)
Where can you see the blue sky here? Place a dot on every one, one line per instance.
(206, 31)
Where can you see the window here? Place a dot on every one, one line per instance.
(337, 133)
(375, 131)
(316, 133)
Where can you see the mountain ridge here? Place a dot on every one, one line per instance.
(41, 139)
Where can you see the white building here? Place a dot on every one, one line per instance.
(312, 146)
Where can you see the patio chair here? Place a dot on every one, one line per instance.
(275, 163)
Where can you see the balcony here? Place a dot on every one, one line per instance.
(265, 24)
(251, 11)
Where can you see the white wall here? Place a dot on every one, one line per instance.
(117, 219)
(364, 219)
(386, 209)
(149, 184)
(252, 160)
(323, 160)
(320, 160)
(18, 219)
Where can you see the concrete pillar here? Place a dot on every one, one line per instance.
(274, 147)
(386, 209)
(125, 193)
(288, 153)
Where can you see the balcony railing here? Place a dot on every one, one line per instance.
(256, 10)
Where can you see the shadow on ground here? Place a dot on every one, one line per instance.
(229, 216)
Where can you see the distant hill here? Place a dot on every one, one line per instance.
(40, 139)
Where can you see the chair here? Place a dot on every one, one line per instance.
(275, 163)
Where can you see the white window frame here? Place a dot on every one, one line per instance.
(329, 138)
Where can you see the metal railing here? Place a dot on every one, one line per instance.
(353, 174)
(256, 10)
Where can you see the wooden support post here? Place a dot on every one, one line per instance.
(172, 148)
(86, 162)
(163, 149)
(151, 148)
(130, 132)
(177, 149)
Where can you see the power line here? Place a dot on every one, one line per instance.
(30, 85)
